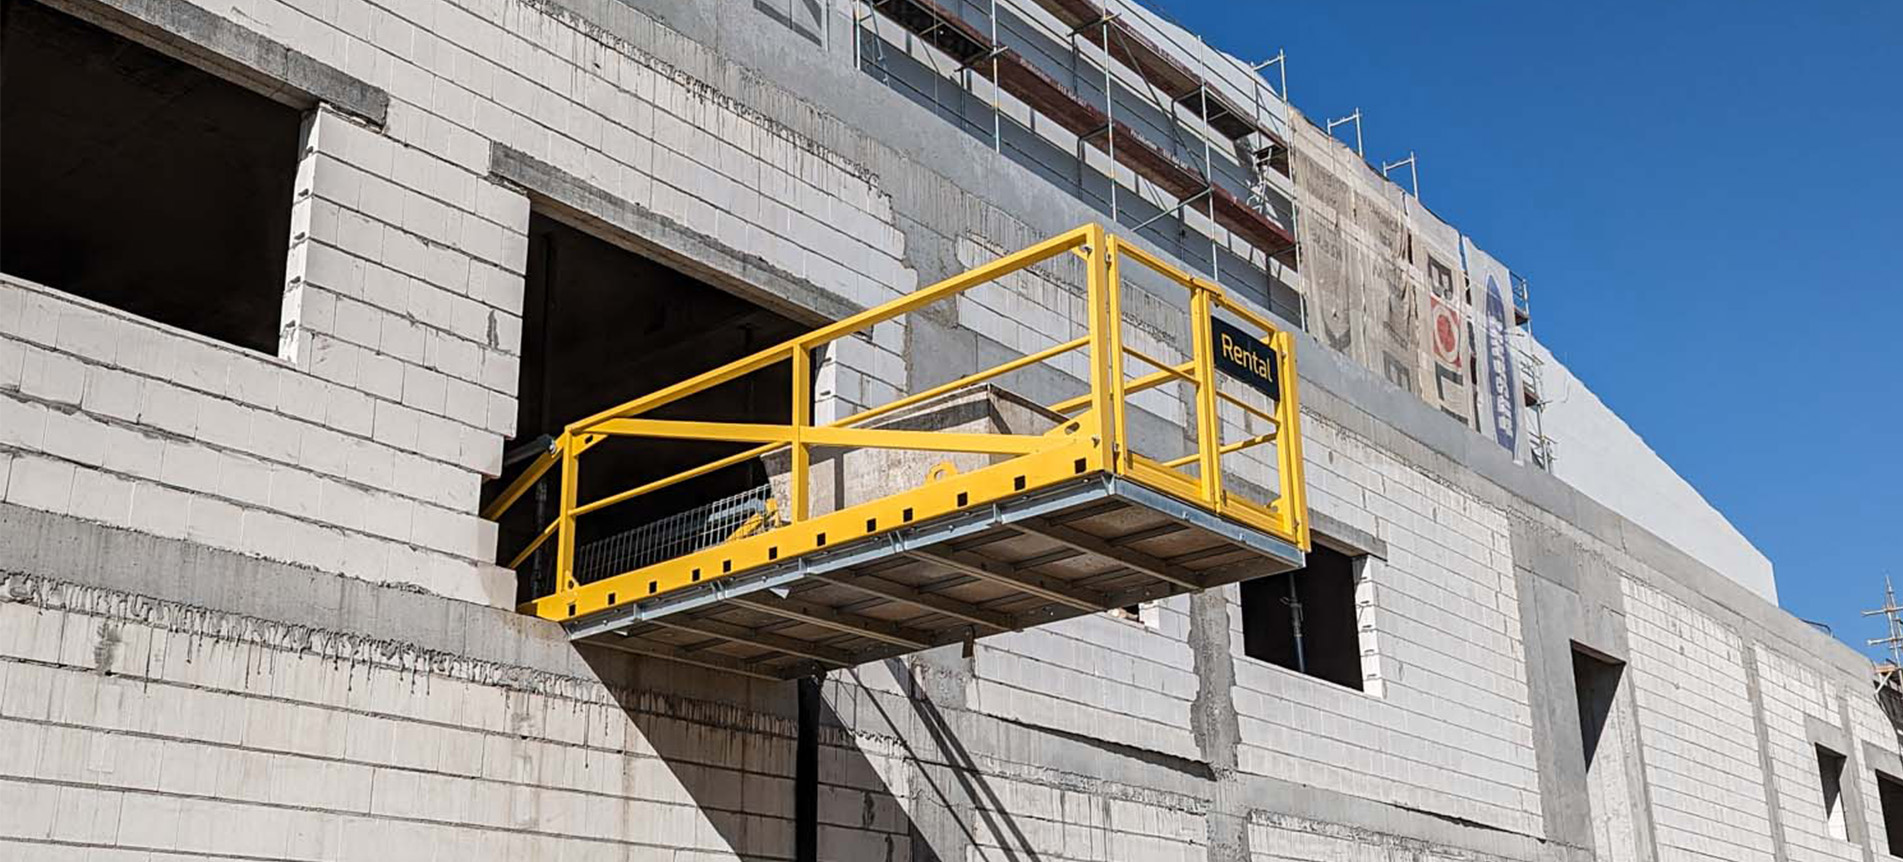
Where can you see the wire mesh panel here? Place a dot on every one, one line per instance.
(747, 513)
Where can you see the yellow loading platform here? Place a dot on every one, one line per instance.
(971, 527)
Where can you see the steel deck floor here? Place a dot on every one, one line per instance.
(1086, 546)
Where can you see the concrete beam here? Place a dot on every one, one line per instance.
(230, 50)
(628, 224)
(1344, 537)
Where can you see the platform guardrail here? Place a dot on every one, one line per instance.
(1094, 436)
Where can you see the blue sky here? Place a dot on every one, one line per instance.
(1706, 197)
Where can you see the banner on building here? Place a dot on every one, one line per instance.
(1445, 351)
(1502, 388)
(1497, 394)
(1444, 326)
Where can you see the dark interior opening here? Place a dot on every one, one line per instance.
(138, 181)
(1595, 686)
(602, 325)
(1305, 620)
(1890, 795)
(1830, 775)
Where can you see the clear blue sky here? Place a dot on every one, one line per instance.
(1708, 199)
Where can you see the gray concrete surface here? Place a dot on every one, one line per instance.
(247, 636)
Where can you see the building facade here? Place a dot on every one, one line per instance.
(287, 286)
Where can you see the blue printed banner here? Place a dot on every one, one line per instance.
(1500, 385)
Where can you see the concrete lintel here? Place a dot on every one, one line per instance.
(1822, 733)
(1346, 538)
(632, 225)
(1887, 762)
(230, 50)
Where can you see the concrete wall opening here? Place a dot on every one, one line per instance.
(141, 182)
(1306, 620)
(1830, 780)
(1146, 614)
(602, 325)
(1608, 746)
(1890, 798)
(1595, 686)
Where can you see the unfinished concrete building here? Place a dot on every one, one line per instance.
(824, 429)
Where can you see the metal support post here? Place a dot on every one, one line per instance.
(1097, 285)
(1208, 424)
(1351, 118)
(1113, 313)
(811, 702)
(1280, 61)
(1209, 162)
(1294, 603)
(997, 124)
(565, 516)
(802, 417)
(1110, 119)
(1413, 173)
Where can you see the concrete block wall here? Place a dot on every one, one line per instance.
(162, 733)
(1874, 737)
(361, 452)
(1106, 677)
(998, 791)
(1796, 697)
(136, 726)
(1445, 722)
(1609, 461)
(1709, 791)
(120, 420)
(147, 704)
(1291, 839)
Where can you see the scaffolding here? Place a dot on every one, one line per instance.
(1889, 671)
(1541, 448)
(1116, 40)
(1065, 514)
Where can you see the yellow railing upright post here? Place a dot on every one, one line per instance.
(1113, 313)
(1097, 287)
(1208, 424)
(565, 530)
(1288, 444)
(797, 488)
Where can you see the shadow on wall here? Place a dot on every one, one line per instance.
(894, 781)
(804, 17)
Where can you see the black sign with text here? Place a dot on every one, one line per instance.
(1246, 358)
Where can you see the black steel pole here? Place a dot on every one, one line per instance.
(806, 773)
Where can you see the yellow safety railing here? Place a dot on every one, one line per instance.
(1024, 462)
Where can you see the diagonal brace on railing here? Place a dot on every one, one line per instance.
(873, 438)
